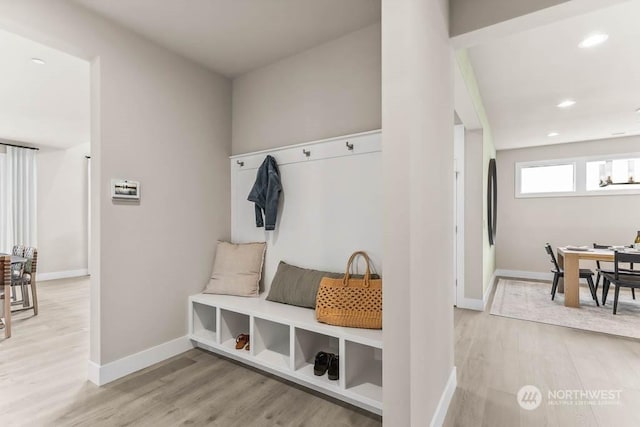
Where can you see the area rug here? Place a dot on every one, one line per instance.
(525, 300)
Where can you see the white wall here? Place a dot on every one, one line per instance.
(330, 90)
(62, 209)
(525, 225)
(166, 122)
(417, 137)
(474, 202)
(486, 252)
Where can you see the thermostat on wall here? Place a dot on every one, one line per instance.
(125, 189)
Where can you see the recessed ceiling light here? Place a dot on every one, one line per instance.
(566, 103)
(38, 61)
(638, 111)
(552, 134)
(618, 133)
(593, 40)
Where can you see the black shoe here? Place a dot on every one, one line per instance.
(334, 367)
(321, 363)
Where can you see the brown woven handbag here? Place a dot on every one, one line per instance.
(356, 303)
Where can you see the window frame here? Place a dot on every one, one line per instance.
(579, 178)
(543, 163)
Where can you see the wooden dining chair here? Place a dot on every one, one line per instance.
(31, 254)
(559, 273)
(17, 250)
(620, 278)
(28, 280)
(5, 293)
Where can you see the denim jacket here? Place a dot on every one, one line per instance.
(266, 193)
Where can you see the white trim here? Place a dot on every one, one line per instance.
(481, 304)
(445, 400)
(579, 176)
(545, 163)
(363, 143)
(41, 277)
(458, 210)
(487, 293)
(103, 374)
(520, 274)
(304, 144)
(93, 372)
(464, 107)
(470, 304)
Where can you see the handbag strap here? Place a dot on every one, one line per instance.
(367, 275)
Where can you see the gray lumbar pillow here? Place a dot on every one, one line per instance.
(299, 286)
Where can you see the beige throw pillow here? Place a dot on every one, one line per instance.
(237, 269)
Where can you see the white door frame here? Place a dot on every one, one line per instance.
(458, 211)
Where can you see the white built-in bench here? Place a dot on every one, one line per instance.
(284, 342)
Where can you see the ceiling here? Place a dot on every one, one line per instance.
(523, 77)
(233, 37)
(44, 105)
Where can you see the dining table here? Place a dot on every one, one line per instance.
(569, 260)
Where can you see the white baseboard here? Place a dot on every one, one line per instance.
(445, 400)
(104, 374)
(93, 372)
(470, 304)
(519, 274)
(479, 304)
(487, 293)
(41, 277)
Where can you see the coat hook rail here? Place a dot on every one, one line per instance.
(306, 152)
(241, 164)
(349, 146)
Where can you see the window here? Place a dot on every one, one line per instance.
(614, 174)
(547, 179)
(583, 176)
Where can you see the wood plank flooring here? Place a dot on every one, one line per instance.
(43, 382)
(496, 356)
(43, 378)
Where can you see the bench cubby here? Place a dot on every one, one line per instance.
(307, 344)
(271, 343)
(232, 324)
(284, 342)
(204, 323)
(363, 370)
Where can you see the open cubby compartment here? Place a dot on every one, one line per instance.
(306, 345)
(363, 368)
(233, 324)
(204, 323)
(271, 343)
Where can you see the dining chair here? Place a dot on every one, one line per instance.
(31, 254)
(5, 290)
(559, 273)
(28, 280)
(18, 280)
(17, 250)
(601, 270)
(620, 278)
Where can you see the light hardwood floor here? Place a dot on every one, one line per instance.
(43, 382)
(43, 378)
(495, 356)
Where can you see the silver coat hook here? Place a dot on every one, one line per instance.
(306, 152)
(241, 164)
(349, 146)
